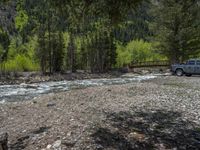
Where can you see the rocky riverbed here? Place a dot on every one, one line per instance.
(161, 113)
(24, 91)
(36, 77)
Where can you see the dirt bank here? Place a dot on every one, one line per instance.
(36, 77)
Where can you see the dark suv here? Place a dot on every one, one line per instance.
(191, 67)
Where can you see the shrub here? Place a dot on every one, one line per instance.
(21, 63)
(136, 51)
(124, 57)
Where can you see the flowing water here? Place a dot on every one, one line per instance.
(14, 93)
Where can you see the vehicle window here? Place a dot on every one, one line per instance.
(198, 62)
(191, 62)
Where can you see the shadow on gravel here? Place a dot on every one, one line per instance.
(23, 141)
(147, 130)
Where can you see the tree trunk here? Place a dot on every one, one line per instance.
(72, 54)
(49, 38)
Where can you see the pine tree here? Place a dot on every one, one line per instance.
(71, 54)
(58, 52)
(42, 50)
(177, 29)
(4, 45)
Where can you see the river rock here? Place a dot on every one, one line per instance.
(57, 145)
(124, 70)
(49, 146)
(51, 104)
(145, 72)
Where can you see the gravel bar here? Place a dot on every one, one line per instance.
(162, 113)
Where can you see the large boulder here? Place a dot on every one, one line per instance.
(124, 69)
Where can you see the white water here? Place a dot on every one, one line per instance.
(29, 91)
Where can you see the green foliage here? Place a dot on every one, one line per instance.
(112, 9)
(21, 20)
(71, 54)
(3, 1)
(177, 28)
(1, 51)
(136, 51)
(92, 20)
(124, 57)
(17, 47)
(4, 44)
(61, 35)
(20, 63)
(83, 54)
(136, 25)
(102, 52)
(56, 51)
(141, 51)
(21, 57)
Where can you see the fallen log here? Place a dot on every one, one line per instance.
(3, 141)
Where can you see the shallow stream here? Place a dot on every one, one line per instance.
(14, 93)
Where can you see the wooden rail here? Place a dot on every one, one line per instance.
(162, 63)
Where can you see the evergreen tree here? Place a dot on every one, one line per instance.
(177, 28)
(4, 44)
(135, 25)
(71, 54)
(102, 52)
(58, 52)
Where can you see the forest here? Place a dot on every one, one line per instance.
(68, 35)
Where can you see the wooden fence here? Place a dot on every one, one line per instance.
(162, 63)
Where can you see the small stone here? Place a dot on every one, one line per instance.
(69, 133)
(49, 146)
(51, 104)
(57, 144)
(145, 72)
(34, 102)
(138, 136)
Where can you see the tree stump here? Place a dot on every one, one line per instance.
(3, 141)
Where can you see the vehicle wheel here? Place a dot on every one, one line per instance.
(179, 72)
(188, 75)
